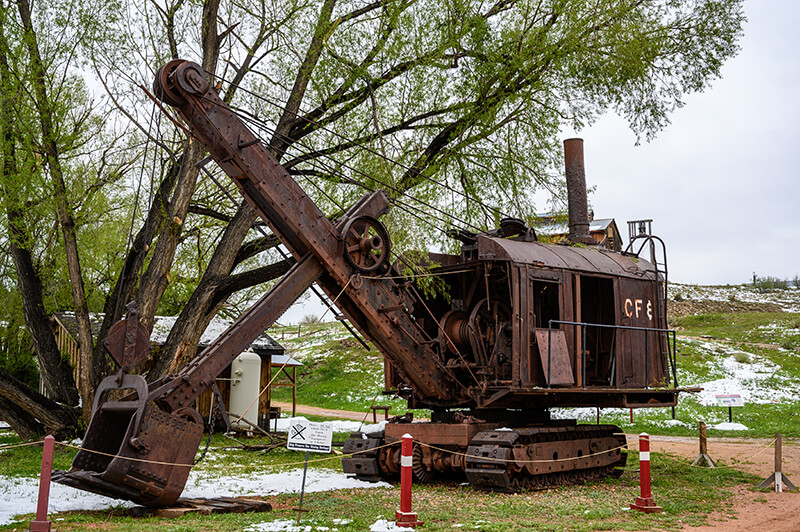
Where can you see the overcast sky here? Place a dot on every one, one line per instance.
(721, 182)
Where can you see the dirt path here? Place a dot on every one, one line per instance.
(755, 510)
(326, 412)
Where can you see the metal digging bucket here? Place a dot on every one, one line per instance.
(134, 450)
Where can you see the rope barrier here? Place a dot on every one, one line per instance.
(227, 466)
(390, 444)
(28, 444)
(761, 451)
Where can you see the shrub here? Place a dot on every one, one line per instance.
(309, 319)
(769, 283)
(742, 358)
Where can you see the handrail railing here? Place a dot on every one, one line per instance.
(671, 348)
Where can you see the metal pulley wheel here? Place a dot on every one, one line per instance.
(366, 245)
(176, 77)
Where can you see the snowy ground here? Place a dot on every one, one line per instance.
(18, 495)
(788, 300)
(758, 381)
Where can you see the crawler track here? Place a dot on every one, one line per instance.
(501, 460)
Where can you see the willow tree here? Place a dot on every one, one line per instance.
(52, 187)
(453, 106)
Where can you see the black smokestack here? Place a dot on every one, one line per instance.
(576, 193)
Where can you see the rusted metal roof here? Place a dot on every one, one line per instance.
(591, 259)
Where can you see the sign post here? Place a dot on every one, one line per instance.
(730, 400)
(308, 436)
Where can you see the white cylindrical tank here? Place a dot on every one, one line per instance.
(245, 387)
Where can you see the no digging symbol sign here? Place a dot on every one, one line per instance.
(309, 436)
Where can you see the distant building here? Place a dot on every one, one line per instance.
(273, 358)
(604, 230)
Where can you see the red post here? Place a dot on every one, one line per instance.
(405, 517)
(41, 523)
(645, 502)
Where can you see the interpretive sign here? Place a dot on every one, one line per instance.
(306, 435)
(729, 400)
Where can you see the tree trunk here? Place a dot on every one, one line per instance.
(55, 372)
(128, 279)
(25, 425)
(155, 280)
(185, 334)
(56, 419)
(205, 301)
(91, 370)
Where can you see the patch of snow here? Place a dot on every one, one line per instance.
(674, 423)
(788, 300)
(287, 525)
(18, 495)
(757, 381)
(730, 426)
(281, 525)
(209, 484)
(382, 525)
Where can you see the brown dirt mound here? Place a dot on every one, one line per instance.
(678, 309)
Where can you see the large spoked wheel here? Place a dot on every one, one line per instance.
(366, 245)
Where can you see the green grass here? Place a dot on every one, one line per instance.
(687, 494)
(775, 328)
(21, 459)
(338, 372)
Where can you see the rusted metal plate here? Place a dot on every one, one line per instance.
(128, 342)
(558, 368)
(438, 433)
(641, 359)
(583, 259)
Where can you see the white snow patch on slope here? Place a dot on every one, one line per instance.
(788, 300)
(748, 379)
(730, 426)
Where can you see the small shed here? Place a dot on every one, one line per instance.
(277, 369)
(604, 230)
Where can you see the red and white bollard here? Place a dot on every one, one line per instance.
(645, 502)
(42, 523)
(405, 517)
